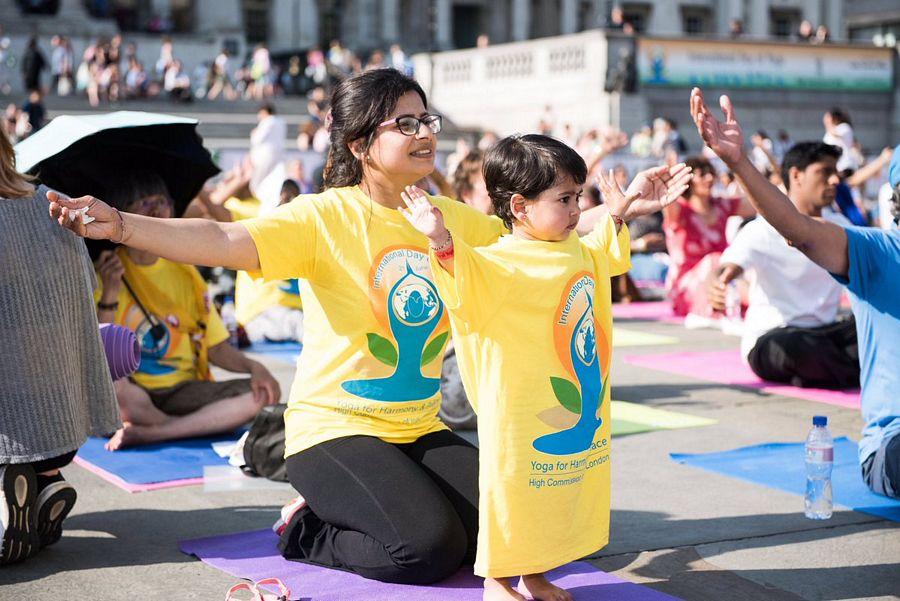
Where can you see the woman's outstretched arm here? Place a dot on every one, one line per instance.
(190, 241)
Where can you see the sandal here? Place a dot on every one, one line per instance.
(284, 593)
(18, 526)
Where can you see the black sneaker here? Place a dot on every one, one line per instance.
(18, 524)
(54, 503)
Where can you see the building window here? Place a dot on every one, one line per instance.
(256, 20)
(783, 23)
(695, 21)
(638, 15)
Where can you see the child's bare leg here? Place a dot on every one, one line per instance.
(500, 589)
(541, 589)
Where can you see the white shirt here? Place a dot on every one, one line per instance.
(843, 138)
(786, 287)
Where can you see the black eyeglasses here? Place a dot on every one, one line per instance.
(409, 125)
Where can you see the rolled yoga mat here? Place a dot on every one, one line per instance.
(123, 353)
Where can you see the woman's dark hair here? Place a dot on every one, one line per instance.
(839, 115)
(700, 165)
(358, 106)
(804, 154)
(122, 189)
(527, 165)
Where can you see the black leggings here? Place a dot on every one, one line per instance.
(823, 357)
(54, 463)
(404, 513)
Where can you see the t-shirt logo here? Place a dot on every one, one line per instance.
(153, 350)
(407, 305)
(575, 336)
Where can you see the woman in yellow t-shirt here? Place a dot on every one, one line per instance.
(388, 491)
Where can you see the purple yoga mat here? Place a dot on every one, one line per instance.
(253, 555)
(123, 353)
(726, 367)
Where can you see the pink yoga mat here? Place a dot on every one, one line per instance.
(254, 555)
(655, 311)
(726, 367)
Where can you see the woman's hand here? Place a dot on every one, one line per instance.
(105, 223)
(424, 216)
(111, 270)
(656, 188)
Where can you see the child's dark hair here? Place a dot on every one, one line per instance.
(358, 106)
(804, 154)
(527, 165)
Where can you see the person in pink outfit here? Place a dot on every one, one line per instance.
(695, 236)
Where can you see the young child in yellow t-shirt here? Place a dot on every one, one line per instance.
(532, 325)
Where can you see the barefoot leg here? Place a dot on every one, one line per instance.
(500, 589)
(541, 589)
(221, 416)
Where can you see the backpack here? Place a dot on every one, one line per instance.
(264, 446)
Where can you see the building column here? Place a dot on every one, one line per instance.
(665, 19)
(521, 20)
(163, 8)
(218, 15)
(812, 11)
(444, 24)
(834, 21)
(759, 18)
(390, 21)
(569, 18)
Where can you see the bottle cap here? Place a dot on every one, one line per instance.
(820, 420)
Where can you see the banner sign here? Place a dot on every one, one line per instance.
(686, 63)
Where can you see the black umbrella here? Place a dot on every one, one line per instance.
(78, 155)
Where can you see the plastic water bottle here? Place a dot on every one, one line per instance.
(732, 301)
(819, 460)
(229, 319)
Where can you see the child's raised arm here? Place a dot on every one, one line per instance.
(429, 220)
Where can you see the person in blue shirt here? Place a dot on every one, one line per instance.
(866, 260)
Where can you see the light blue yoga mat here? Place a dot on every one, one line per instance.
(148, 467)
(285, 351)
(781, 465)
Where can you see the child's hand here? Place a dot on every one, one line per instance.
(657, 187)
(423, 215)
(613, 197)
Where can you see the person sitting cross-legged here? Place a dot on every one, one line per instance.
(172, 394)
(791, 331)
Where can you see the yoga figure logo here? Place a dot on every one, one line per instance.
(581, 355)
(411, 310)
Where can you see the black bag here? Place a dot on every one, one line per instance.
(264, 447)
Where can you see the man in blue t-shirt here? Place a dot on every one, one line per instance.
(866, 260)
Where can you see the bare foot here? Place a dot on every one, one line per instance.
(541, 589)
(500, 589)
(128, 435)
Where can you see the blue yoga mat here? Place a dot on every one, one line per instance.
(286, 351)
(781, 465)
(151, 464)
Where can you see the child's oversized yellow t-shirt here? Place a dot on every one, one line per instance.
(374, 326)
(532, 326)
(172, 359)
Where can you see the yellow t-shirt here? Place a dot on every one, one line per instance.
(171, 359)
(374, 327)
(532, 327)
(242, 208)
